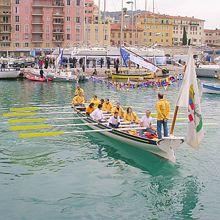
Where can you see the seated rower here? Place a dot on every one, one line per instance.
(114, 120)
(118, 109)
(97, 114)
(90, 109)
(95, 100)
(102, 102)
(131, 116)
(146, 123)
(78, 100)
(79, 90)
(107, 106)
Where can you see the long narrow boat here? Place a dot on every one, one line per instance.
(164, 148)
(211, 89)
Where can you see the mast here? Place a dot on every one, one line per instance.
(104, 20)
(122, 23)
(136, 32)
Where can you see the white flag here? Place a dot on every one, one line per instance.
(189, 98)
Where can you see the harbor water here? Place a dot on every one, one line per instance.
(87, 176)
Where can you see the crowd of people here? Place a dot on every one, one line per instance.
(104, 111)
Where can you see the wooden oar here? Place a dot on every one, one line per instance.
(58, 133)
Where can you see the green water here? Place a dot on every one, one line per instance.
(90, 177)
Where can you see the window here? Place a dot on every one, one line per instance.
(16, 44)
(77, 19)
(16, 10)
(26, 44)
(16, 18)
(17, 28)
(77, 2)
(17, 2)
(68, 18)
(68, 36)
(68, 2)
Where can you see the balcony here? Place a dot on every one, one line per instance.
(5, 31)
(58, 15)
(58, 31)
(5, 13)
(40, 40)
(5, 22)
(37, 21)
(5, 4)
(37, 31)
(58, 3)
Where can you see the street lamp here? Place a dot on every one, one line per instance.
(132, 19)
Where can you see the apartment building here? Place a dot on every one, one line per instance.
(194, 28)
(36, 24)
(157, 28)
(212, 37)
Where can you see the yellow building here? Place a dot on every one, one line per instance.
(98, 34)
(157, 28)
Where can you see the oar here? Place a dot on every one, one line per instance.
(58, 133)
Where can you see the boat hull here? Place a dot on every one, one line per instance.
(152, 146)
(37, 78)
(9, 74)
(131, 76)
(208, 72)
(211, 89)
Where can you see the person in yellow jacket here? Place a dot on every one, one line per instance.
(131, 116)
(78, 100)
(118, 109)
(107, 106)
(163, 114)
(79, 90)
(90, 109)
(95, 100)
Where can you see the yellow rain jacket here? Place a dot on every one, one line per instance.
(163, 109)
(131, 117)
(107, 107)
(95, 101)
(120, 111)
(78, 100)
(79, 91)
(89, 110)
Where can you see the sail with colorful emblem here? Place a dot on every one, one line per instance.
(189, 97)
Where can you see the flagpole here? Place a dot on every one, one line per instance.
(174, 120)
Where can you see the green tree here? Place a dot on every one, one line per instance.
(185, 41)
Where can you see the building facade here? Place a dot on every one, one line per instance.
(41, 24)
(212, 37)
(194, 28)
(129, 37)
(157, 28)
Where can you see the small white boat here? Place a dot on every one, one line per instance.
(211, 89)
(209, 71)
(9, 73)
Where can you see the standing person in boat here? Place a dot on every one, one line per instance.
(117, 65)
(78, 100)
(95, 100)
(114, 120)
(79, 90)
(108, 61)
(131, 116)
(102, 102)
(146, 123)
(97, 114)
(41, 73)
(163, 113)
(118, 109)
(90, 109)
(107, 106)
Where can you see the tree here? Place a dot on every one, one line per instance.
(185, 41)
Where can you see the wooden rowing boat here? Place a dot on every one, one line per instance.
(164, 148)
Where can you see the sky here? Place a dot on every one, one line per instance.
(208, 10)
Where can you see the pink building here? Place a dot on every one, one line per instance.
(45, 24)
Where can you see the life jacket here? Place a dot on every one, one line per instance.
(149, 135)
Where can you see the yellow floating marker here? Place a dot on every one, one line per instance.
(24, 109)
(29, 127)
(26, 120)
(42, 134)
(18, 114)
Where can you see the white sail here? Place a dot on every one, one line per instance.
(189, 98)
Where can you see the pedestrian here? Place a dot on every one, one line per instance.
(101, 62)
(163, 113)
(94, 63)
(108, 62)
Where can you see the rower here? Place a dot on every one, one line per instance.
(90, 109)
(107, 106)
(95, 100)
(78, 100)
(131, 116)
(102, 102)
(146, 123)
(79, 90)
(97, 114)
(114, 120)
(119, 109)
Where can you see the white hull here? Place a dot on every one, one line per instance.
(209, 71)
(164, 148)
(9, 73)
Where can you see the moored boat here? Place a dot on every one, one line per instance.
(35, 78)
(209, 71)
(211, 89)
(10, 73)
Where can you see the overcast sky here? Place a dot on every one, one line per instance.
(208, 10)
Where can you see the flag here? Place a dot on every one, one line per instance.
(189, 98)
(135, 58)
(59, 58)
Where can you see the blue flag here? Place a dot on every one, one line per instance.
(125, 56)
